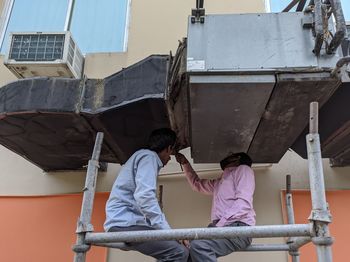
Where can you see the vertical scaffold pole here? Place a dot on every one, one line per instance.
(290, 216)
(84, 223)
(320, 216)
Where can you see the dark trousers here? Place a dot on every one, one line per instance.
(171, 251)
(209, 250)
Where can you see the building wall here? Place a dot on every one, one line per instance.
(155, 27)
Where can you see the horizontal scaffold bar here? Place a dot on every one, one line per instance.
(201, 233)
(251, 248)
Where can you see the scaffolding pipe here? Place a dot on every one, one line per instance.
(298, 242)
(251, 248)
(294, 253)
(201, 233)
(83, 226)
(289, 202)
(320, 215)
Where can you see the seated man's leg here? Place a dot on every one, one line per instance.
(163, 250)
(171, 251)
(209, 250)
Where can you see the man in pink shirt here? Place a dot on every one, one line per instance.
(232, 204)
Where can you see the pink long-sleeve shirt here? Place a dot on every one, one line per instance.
(232, 194)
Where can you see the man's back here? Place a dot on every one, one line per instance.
(134, 186)
(133, 203)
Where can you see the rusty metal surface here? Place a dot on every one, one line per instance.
(267, 41)
(334, 128)
(286, 114)
(225, 112)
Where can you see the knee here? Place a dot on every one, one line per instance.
(198, 245)
(182, 253)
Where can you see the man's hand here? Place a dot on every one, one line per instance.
(181, 159)
(186, 243)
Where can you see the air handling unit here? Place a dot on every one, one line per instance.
(53, 54)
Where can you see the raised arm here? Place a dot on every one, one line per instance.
(145, 192)
(205, 186)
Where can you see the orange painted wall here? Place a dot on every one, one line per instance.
(340, 229)
(42, 228)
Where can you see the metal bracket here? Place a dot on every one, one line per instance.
(320, 215)
(94, 163)
(294, 253)
(308, 20)
(198, 15)
(80, 248)
(84, 228)
(323, 241)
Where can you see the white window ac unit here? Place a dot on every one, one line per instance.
(53, 54)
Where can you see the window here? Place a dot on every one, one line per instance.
(96, 26)
(278, 5)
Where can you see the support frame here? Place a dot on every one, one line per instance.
(299, 234)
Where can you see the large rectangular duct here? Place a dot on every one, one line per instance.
(249, 81)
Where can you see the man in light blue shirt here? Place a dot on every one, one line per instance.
(133, 204)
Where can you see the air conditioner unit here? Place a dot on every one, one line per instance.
(53, 54)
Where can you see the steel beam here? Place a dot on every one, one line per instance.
(320, 215)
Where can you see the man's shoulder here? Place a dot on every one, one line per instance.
(144, 152)
(245, 169)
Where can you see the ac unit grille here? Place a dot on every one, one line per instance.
(71, 51)
(37, 47)
(51, 54)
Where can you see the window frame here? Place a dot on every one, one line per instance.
(267, 6)
(9, 5)
(5, 19)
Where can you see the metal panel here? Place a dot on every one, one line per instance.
(286, 114)
(225, 112)
(334, 128)
(258, 42)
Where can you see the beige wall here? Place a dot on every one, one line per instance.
(2, 4)
(155, 28)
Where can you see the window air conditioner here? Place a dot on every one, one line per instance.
(53, 54)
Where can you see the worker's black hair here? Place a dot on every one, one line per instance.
(242, 157)
(161, 139)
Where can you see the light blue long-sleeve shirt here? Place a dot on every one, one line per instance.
(133, 199)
